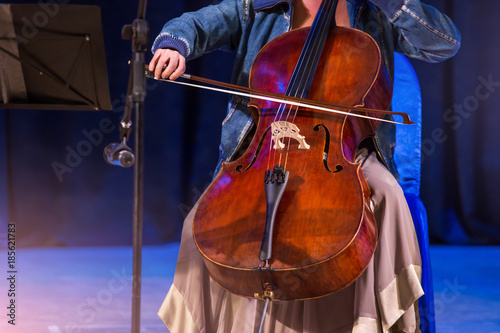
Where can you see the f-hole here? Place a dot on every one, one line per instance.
(257, 152)
(326, 149)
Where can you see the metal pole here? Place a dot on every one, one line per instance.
(138, 218)
(138, 32)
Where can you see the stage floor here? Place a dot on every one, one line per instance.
(88, 290)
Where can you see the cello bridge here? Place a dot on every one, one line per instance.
(284, 129)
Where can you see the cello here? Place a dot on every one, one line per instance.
(290, 219)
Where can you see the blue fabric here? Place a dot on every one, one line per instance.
(407, 155)
(406, 98)
(426, 302)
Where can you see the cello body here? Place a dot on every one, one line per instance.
(324, 231)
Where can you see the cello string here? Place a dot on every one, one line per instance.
(276, 145)
(289, 139)
(305, 70)
(278, 115)
(309, 55)
(307, 65)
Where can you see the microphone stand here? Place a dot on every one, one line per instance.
(121, 155)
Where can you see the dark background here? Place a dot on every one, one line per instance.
(92, 204)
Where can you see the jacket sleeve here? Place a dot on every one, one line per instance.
(420, 30)
(210, 28)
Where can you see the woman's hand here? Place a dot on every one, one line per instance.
(167, 64)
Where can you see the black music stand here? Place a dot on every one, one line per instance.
(52, 57)
(121, 155)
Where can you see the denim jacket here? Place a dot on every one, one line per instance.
(245, 26)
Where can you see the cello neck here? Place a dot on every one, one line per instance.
(303, 74)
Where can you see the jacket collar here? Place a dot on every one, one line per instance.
(355, 5)
(261, 4)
